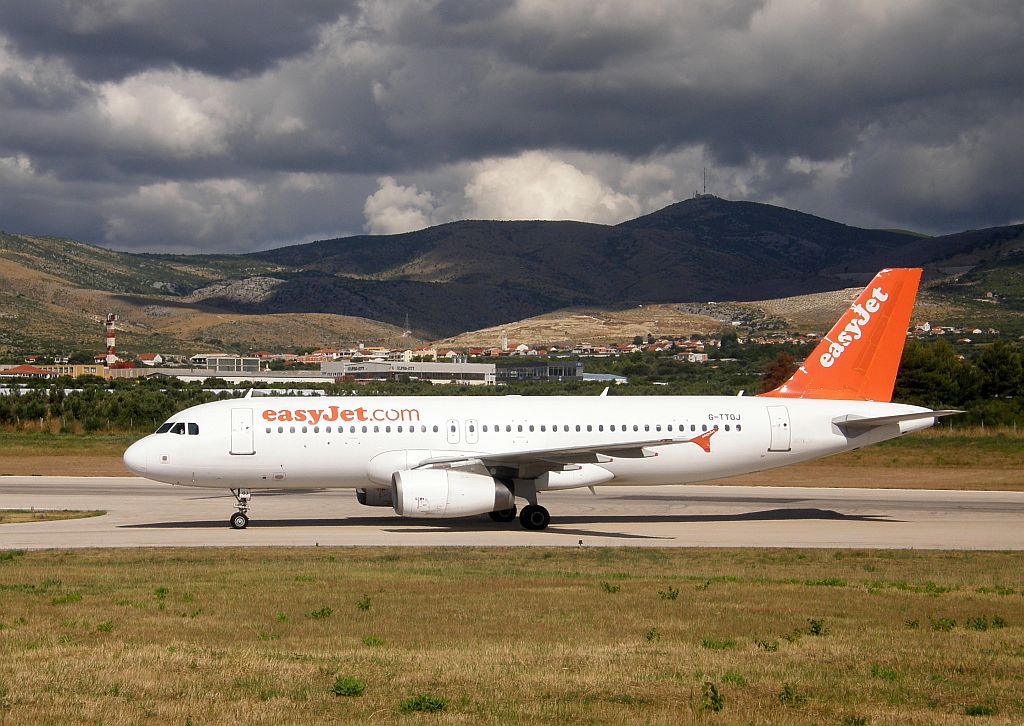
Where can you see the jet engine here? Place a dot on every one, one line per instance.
(374, 497)
(447, 493)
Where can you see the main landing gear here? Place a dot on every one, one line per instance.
(240, 519)
(534, 517)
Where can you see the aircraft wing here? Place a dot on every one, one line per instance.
(558, 458)
(861, 424)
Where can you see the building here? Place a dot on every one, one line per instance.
(223, 363)
(471, 374)
(540, 371)
(77, 370)
(27, 371)
(150, 359)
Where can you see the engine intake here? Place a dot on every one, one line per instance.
(447, 493)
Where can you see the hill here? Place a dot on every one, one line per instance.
(473, 275)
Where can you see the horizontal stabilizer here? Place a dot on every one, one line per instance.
(870, 423)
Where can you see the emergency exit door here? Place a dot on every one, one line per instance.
(241, 432)
(781, 437)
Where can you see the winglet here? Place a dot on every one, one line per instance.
(857, 360)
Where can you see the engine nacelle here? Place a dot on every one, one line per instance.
(374, 497)
(447, 493)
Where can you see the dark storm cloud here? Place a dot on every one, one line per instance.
(205, 116)
(108, 39)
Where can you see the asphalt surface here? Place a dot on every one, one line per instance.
(142, 513)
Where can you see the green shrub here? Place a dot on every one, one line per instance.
(826, 582)
(789, 696)
(364, 603)
(943, 625)
(816, 626)
(348, 686)
(651, 635)
(423, 702)
(713, 644)
(979, 709)
(769, 645)
(324, 612)
(711, 699)
(66, 598)
(372, 641)
(976, 624)
(734, 678)
(106, 626)
(670, 594)
(608, 587)
(855, 721)
(883, 673)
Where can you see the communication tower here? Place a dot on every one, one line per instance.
(111, 351)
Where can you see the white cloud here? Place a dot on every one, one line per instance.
(539, 185)
(393, 208)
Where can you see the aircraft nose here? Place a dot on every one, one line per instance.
(135, 457)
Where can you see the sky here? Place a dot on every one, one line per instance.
(231, 126)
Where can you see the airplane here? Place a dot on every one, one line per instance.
(452, 456)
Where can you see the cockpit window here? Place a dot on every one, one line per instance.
(164, 428)
(178, 428)
(193, 429)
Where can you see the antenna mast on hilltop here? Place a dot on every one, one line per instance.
(705, 180)
(407, 332)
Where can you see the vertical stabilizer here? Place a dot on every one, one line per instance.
(860, 356)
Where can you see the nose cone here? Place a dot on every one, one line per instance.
(135, 457)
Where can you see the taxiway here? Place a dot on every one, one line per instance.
(142, 513)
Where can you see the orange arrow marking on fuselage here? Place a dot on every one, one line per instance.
(704, 440)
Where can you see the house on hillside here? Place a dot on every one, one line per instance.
(150, 359)
(27, 371)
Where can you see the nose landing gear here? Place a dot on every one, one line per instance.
(240, 519)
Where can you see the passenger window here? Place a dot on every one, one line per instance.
(485, 428)
(531, 428)
(364, 429)
(738, 427)
(704, 427)
(399, 429)
(387, 429)
(268, 429)
(669, 427)
(472, 428)
(376, 429)
(657, 427)
(589, 427)
(566, 427)
(316, 429)
(164, 428)
(635, 427)
(693, 427)
(305, 430)
(352, 429)
(435, 429)
(520, 427)
(543, 428)
(328, 429)
(577, 427)
(291, 429)
(727, 427)
(600, 427)
(612, 427)
(280, 429)
(647, 427)
(193, 429)
(508, 427)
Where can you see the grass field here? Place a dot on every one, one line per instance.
(512, 636)
(18, 516)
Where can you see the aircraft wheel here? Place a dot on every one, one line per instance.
(239, 521)
(534, 516)
(504, 515)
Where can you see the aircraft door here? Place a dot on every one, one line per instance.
(452, 429)
(242, 441)
(472, 431)
(781, 437)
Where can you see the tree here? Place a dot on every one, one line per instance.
(778, 372)
(1002, 374)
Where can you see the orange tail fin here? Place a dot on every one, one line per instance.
(859, 357)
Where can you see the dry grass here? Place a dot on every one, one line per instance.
(510, 635)
(17, 516)
(591, 325)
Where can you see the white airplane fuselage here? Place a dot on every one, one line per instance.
(359, 442)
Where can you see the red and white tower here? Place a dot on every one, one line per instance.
(111, 352)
